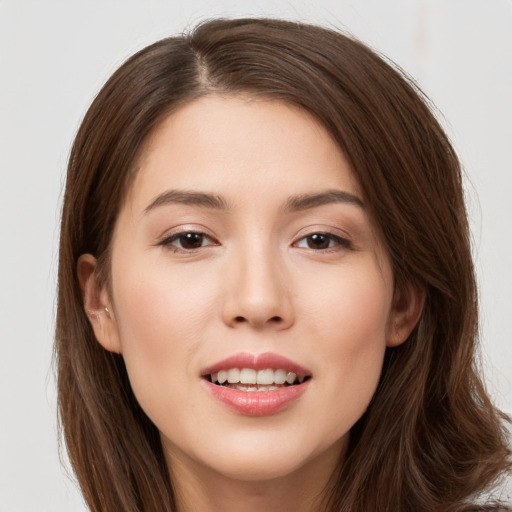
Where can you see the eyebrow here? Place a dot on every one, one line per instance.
(188, 197)
(307, 201)
(217, 202)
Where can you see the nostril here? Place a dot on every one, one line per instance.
(273, 320)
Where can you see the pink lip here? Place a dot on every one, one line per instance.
(257, 403)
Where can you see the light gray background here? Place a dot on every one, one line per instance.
(54, 56)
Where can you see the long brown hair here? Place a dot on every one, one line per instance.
(431, 437)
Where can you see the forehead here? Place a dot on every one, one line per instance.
(239, 144)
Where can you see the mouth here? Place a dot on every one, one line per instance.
(260, 373)
(254, 380)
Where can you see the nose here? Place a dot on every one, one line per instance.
(258, 292)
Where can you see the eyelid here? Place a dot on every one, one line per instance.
(167, 240)
(182, 229)
(343, 241)
(176, 236)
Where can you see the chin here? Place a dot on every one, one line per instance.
(268, 455)
(259, 466)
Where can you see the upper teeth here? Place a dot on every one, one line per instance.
(250, 376)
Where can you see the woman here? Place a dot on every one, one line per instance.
(266, 293)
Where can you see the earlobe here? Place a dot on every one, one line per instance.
(97, 304)
(408, 302)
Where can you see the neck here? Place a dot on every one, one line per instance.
(201, 488)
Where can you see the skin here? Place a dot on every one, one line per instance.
(256, 282)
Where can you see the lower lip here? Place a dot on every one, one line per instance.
(257, 403)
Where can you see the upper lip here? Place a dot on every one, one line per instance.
(257, 362)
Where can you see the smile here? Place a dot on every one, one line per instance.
(256, 385)
(249, 379)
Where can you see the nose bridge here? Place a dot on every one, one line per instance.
(258, 292)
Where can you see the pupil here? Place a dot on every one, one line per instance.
(318, 241)
(191, 240)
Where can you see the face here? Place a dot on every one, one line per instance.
(244, 244)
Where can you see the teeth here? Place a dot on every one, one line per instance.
(258, 379)
(247, 376)
(246, 388)
(253, 388)
(290, 377)
(280, 376)
(233, 375)
(265, 376)
(267, 388)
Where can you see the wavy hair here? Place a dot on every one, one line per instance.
(431, 438)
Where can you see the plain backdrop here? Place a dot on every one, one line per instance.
(54, 57)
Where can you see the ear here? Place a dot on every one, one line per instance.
(408, 302)
(97, 304)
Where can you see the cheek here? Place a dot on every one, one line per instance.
(158, 302)
(161, 318)
(350, 332)
(362, 325)
(351, 307)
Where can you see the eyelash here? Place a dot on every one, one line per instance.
(168, 241)
(338, 241)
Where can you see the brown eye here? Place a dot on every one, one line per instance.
(191, 240)
(187, 241)
(323, 241)
(318, 241)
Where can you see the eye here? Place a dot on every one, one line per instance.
(187, 241)
(322, 241)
